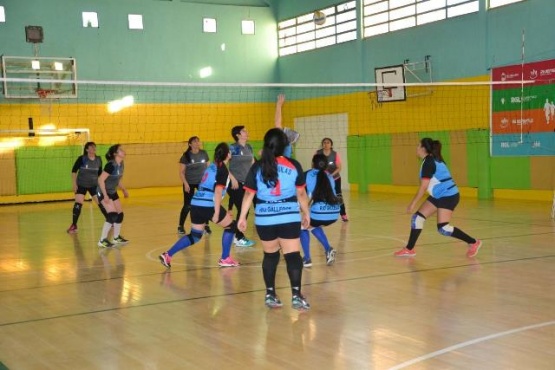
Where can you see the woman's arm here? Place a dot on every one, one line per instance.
(424, 182)
(245, 206)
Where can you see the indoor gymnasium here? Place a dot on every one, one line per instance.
(141, 142)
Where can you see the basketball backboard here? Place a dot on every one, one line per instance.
(28, 77)
(390, 82)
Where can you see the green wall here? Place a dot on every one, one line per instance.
(171, 48)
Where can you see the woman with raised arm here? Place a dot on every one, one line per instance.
(444, 197)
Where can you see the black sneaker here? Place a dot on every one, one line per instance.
(120, 240)
(298, 302)
(207, 230)
(272, 301)
(180, 230)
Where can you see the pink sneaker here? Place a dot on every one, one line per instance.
(474, 248)
(405, 253)
(72, 229)
(165, 259)
(228, 262)
(344, 218)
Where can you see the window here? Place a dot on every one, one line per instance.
(498, 3)
(90, 19)
(209, 25)
(135, 21)
(2, 14)
(383, 16)
(247, 27)
(324, 27)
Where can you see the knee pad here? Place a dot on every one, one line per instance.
(195, 236)
(119, 220)
(417, 221)
(111, 217)
(445, 229)
(232, 227)
(294, 261)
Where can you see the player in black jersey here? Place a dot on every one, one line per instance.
(108, 183)
(84, 176)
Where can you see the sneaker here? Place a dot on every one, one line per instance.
(228, 262)
(330, 256)
(405, 253)
(165, 259)
(307, 262)
(120, 240)
(244, 242)
(272, 301)
(474, 248)
(72, 229)
(105, 243)
(207, 230)
(344, 218)
(299, 302)
(180, 230)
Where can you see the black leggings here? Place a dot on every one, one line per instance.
(187, 203)
(342, 210)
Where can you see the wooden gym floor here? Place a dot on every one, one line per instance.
(66, 304)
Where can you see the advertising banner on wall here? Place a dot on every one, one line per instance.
(523, 115)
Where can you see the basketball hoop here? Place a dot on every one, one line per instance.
(45, 98)
(44, 93)
(385, 94)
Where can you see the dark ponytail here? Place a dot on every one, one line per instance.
(275, 142)
(323, 191)
(432, 147)
(111, 154)
(220, 153)
(87, 145)
(187, 153)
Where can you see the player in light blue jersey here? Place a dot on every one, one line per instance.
(444, 197)
(206, 205)
(324, 208)
(279, 185)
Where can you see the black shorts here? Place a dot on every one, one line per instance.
(449, 202)
(290, 230)
(201, 215)
(113, 196)
(84, 191)
(317, 223)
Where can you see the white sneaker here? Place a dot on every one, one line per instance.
(244, 242)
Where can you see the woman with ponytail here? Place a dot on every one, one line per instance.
(206, 206)
(279, 185)
(108, 183)
(444, 197)
(84, 175)
(192, 165)
(324, 208)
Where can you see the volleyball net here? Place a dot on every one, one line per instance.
(376, 128)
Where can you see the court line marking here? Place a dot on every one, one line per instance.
(469, 343)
